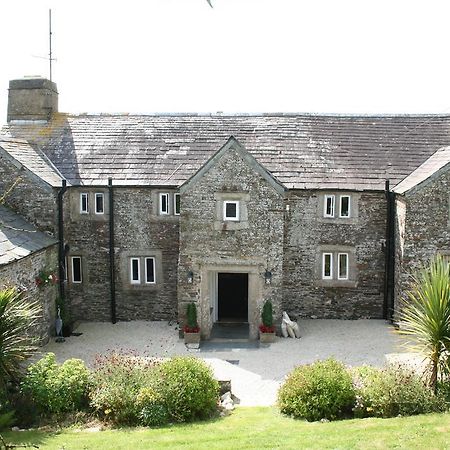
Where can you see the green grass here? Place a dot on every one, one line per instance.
(258, 428)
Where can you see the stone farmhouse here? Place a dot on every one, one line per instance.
(325, 215)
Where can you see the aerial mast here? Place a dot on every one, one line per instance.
(50, 41)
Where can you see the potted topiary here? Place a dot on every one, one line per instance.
(267, 329)
(191, 329)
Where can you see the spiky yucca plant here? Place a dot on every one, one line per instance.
(17, 314)
(426, 314)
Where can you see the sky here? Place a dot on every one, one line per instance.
(145, 56)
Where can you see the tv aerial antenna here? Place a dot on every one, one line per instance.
(50, 52)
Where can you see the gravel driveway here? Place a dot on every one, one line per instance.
(255, 373)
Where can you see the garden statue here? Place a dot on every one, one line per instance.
(289, 327)
(58, 326)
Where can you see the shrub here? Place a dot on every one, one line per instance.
(152, 410)
(188, 388)
(393, 391)
(116, 381)
(191, 315)
(323, 390)
(56, 388)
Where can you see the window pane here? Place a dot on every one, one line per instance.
(177, 204)
(327, 265)
(99, 203)
(345, 206)
(149, 270)
(135, 270)
(231, 210)
(76, 269)
(343, 266)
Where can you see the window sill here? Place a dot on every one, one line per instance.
(230, 225)
(336, 283)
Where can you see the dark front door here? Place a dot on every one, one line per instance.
(233, 297)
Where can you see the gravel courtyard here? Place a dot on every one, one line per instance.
(255, 373)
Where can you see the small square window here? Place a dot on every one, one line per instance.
(327, 266)
(163, 203)
(231, 210)
(328, 207)
(76, 269)
(99, 203)
(344, 207)
(150, 270)
(84, 203)
(135, 271)
(342, 266)
(176, 204)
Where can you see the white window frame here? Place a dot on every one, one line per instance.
(97, 195)
(72, 258)
(349, 206)
(332, 197)
(233, 218)
(324, 255)
(339, 277)
(167, 197)
(154, 269)
(175, 197)
(86, 196)
(133, 281)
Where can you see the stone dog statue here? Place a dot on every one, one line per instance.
(289, 327)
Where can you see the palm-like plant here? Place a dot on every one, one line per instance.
(17, 315)
(426, 314)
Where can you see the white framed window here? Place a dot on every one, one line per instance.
(135, 270)
(231, 210)
(342, 266)
(328, 205)
(99, 203)
(344, 206)
(77, 273)
(84, 203)
(327, 266)
(150, 277)
(163, 203)
(176, 204)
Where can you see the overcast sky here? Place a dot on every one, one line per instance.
(240, 56)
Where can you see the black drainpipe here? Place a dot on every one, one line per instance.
(111, 252)
(61, 250)
(389, 286)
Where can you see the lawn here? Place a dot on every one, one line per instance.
(258, 428)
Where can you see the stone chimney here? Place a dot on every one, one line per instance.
(32, 98)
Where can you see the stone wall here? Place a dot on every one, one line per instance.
(308, 234)
(29, 198)
(209, 245)
(427, 227)
(22, 273)
(138, 232)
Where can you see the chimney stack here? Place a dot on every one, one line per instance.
(32, 98)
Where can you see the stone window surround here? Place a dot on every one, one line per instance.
(125, 269)
(75, 195)
(155, 210)
(335, 281)
(220, 224)
(337, 218)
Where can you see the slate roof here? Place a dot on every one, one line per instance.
(300, 150)
(431, 167)
(22, 154)
(18, 238)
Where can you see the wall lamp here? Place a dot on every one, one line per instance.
(268, 276)
(190, 277)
